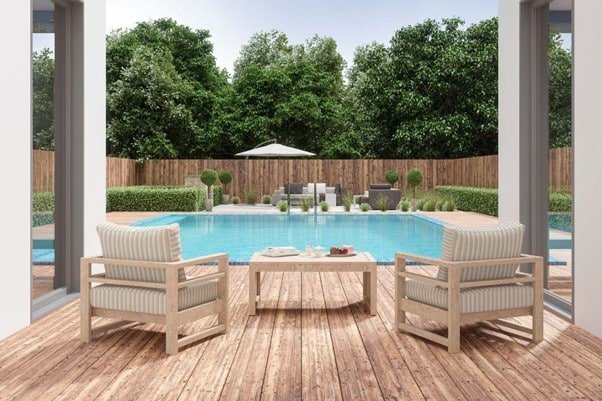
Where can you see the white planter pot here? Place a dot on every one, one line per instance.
(209, 205)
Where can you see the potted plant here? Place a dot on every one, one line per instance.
(209, 177)
(392, 177)
(414, 178)
(225, 177)
(347, 202)
(250, 197)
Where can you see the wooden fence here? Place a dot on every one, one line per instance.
(264, 176)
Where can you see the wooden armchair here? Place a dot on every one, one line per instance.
(476, 280)
(144, 281)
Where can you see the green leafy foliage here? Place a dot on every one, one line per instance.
(383, 203)
(365, 207)
(324, 206)
(235, 200)
(163, 87)
(225, 177)
(209, 177)
(347, 202)
(153, 199)
(218, 195)
(42, 218)
(266, 199)
(42, 201)
(306, 203)
(392, 177)
(560, 202)
(42, 64)
(250, 197)
(404, 205)
(480, 200)
(282, 205)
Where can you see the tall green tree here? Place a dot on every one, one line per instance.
(174, 53)
(294, 93)
(43, 99)
(432, 93)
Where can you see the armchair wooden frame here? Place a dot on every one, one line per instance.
(453, 316)
(173, 317)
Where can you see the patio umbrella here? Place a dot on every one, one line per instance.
(272, 149)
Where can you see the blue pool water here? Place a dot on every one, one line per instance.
(242, 235)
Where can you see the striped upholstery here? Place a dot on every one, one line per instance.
(150, 300)
(481, 299)
(153, 244)
(463, 243)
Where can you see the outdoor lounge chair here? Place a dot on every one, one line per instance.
(476, 280)
(145, 281)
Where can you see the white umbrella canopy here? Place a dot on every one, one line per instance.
(275, 150)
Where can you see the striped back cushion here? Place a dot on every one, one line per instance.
(153, 244)
(463, 243)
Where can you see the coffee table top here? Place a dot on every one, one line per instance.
(361, 258)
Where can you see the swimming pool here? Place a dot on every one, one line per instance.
(242, 235)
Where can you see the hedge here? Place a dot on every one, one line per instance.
(480, 200)
(42, 201)
(42, 218)
(155, 199)
(560, 202)
(485, 201)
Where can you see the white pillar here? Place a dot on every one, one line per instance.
(15, 166)
(587, 151)
(523, 120)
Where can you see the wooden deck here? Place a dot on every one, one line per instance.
(312, 339)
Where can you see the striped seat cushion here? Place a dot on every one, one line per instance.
(153, 244)
(464, 243)
(150, 300)
(481, 299)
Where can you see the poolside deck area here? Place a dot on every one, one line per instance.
(312, 339)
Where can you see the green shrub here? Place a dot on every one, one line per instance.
(420, 203)
(266, 199)
(347, 202)
(414, 179)
(282, 205)
(365, 207)
(392, 177)
(560, 202)
(218, 195)
(250, 197)
(470, 199)
(439, 204)
(235, 200)
(404, 205)
(155, 199)
(225, 177)
(306, 204)
(383, 203)
(42, 201)
(324, 206)
(449, 206)
(429, 205)
(209, 177)
(42, 218)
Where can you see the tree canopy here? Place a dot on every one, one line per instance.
(431, 92)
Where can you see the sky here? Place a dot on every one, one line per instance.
(350, 22)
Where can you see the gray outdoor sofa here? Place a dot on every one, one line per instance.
(377, 190)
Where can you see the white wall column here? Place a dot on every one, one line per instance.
(15, 166)
(523, 119)
(587, 148)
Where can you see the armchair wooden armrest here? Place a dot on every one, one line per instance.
(422, 259)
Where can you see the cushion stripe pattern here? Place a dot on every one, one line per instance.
(464, 243)
(481, 299)
(150, 300)
(153, 244)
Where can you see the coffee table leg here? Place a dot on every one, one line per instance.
(258, 285)
(252, 291)
(365, 285)
(373, 283)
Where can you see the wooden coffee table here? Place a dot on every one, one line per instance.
(362, 262)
